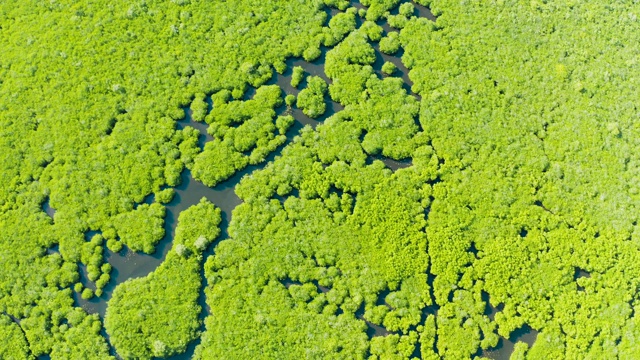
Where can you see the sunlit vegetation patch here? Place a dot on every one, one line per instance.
(535, 124)
(517, 205)
(14, 343)
(322, 217)
(40, 287)
(383, 111)
(90, 93)
(325, 235)
(311, 99)
(244, 132)
(141, 229)
(97, 270)
(521, 191)
(141, 310)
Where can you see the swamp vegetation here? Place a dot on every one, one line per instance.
(468, 173)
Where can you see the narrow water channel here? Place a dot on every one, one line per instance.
(127, 264)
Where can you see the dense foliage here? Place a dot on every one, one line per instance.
(36, 289)
(90, 92)
(517, 209)
(248, 142)
(297, 76)
(14, 345)
(518, 197)
(141, 310)
(332, 234)
(389, 68)
(311, 98)
(328, 236)
(535, 127)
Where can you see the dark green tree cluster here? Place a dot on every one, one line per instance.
(244, 133)
(157, 316)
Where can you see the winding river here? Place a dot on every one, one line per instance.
(127, 264)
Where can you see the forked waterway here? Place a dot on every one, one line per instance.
(127, 264)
